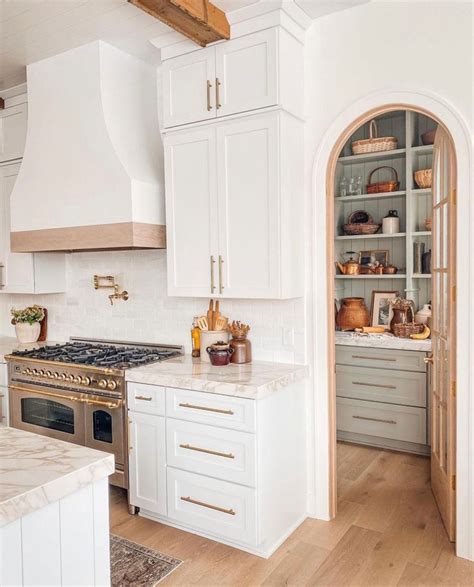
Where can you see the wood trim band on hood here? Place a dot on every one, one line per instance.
(97, 237)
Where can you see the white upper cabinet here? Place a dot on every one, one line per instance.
(188, 87)
(25, 272)
(247, 73)
(234, 208)
(191, 211)
(13, 123)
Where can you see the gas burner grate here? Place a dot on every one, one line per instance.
(99, 355)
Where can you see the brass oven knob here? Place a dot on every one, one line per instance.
(42, 373)
(55, 375)
(62, 376)
(49, 374)
(112, 384)
(28, 371)
(70, 378)
(77, 379)
(86, 381)
(102, 383)
(34, 372)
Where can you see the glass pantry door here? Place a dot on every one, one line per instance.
(443, 383)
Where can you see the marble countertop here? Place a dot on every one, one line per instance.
(10, 344)
(37, 470)
(382, 341)
(253, 380)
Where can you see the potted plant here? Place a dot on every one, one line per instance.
(27, 323)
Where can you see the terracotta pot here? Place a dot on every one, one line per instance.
(353, 314)
(27, 333)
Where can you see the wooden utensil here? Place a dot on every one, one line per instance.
(221, 323)
(216, 315)
(210, 315)
(202, 323)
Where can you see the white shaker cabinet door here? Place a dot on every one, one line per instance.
(13, 124)
(191, 212)
(189, 88)
(248, 187)
(246, 73)
(147, 462)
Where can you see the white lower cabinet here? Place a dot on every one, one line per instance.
(147, 462)
(227, 468)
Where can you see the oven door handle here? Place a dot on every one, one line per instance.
(110, 405)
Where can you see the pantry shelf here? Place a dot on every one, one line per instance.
(393, 276)
(371, 197)
(370, 236)
(378, 156)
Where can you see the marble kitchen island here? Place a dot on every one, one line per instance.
(53, 511)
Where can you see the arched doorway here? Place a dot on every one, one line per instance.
(323, 174)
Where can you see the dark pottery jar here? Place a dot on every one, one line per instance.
(242, 350)
(219, 354)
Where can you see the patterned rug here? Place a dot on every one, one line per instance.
(134, 564)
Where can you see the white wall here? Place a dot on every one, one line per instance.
(149, 314)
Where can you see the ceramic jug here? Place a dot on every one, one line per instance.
(423, 315)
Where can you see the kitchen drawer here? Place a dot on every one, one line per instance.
(218, 452)
(3, 375)
(381, 358)
(407, 388)
(147, 399)
(384, 420)
(217, 507)
(209, 408)
(4, 406)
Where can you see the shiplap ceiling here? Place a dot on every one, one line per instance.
(31, 30)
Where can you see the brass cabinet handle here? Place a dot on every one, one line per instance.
(213, 285)
(209, 86)
(374, 385)
(374, 358)
(129, 436)
(375, 419)
(227, 455)
(221, 286)
(208, 505)
(81, 400)
(143, 398)
(218, 99)
(195, 407)
(428, 360)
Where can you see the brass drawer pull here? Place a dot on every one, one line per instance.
(213, 285)
(218, 98)
(227, 455)
(217, 410)
(143, 398)
(208, 505)
(375, 419)
(375, 358)
(374, 385)
(209, 86)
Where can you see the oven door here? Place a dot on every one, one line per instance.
(104, 427)
(47, 412)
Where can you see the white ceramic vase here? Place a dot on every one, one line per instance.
(27, 333)
(423, 315)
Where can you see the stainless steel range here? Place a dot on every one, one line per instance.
(76, 392)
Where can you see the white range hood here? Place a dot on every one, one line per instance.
(92, 173)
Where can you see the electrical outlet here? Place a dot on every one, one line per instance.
(288, 337)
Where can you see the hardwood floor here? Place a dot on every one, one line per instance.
(387, 532)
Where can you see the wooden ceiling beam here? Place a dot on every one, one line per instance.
(199, 20)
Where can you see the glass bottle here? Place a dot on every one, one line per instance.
(343, 187)
(352, 187)
(358, 185)
(196, 338)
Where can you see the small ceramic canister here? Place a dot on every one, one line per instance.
(209, 337)
(424, 314)
(391, 223)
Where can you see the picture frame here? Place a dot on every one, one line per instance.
(380, 310)
(370, 257)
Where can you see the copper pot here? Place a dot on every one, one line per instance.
(242, 349)
(353, 314)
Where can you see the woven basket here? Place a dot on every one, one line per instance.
(383, 186)
(406, 330)
(352, 227)
(374, 143)
(423, 178)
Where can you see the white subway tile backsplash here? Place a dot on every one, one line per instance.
(150, 315)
